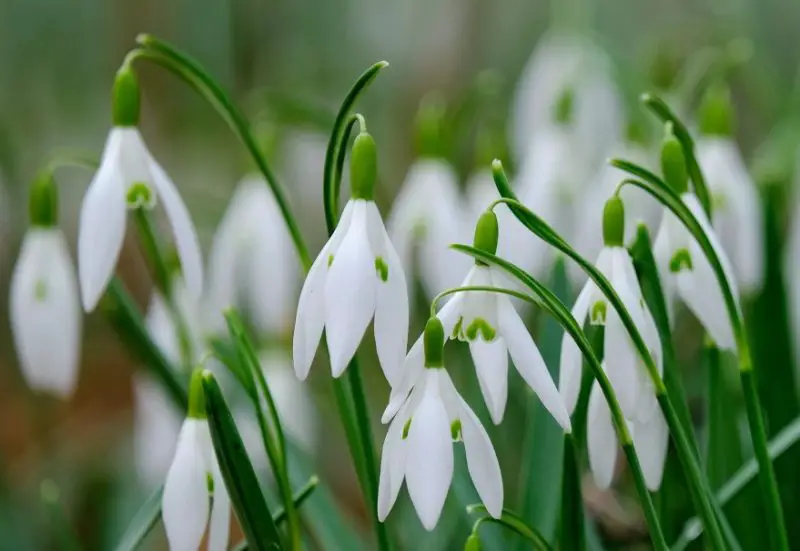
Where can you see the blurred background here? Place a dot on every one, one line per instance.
(289, 65)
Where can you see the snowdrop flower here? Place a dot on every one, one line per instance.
(194, 479)
(737, 216)
(418, 445)
(44, 306)
(162, 324)
(252, 264)
(156, 425)
(128, 178)
(561, 61)
(357, 276)
(493, 329)
(684, 269)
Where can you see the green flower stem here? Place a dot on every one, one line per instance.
(564, 317)
(509, 519)
(769, 485)
(686, 451)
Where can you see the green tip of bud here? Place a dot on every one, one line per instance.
(673, 162)
(716, 112)
(486, 232)
(473, 543)
(433, 340)
(430, 128)
(43, 201)
(564, 107)
(614, 222)
(197, 396)
(125, 97)
(363, 167)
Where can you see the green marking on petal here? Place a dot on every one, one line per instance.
(719, 201)
(140, 195)
(210, 483)
(681, 260)
(40, 291)
(330, 260)
(480, 326)
(455, 430)
(458, 329)
(406, 428)
(597, 316)
(382, 269)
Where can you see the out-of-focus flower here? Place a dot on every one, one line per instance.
(45, 311)
(418, 445)
(178, 333)
(357, 276)
(128, 178)
(157, 423)
(194, 479)
(736, 212)
(252, 264)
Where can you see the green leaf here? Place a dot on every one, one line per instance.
(573, 537)
(144, 520)
(65, 534)
(511, 520)
(237, 471)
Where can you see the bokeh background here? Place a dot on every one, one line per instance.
(289, 64)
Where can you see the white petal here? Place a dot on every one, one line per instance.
(491, 366)
(393, 461)
(571, 359)
(220, 521)
(185, 505)
(601, 439)
(413, 369)
(391, 302)
(350, 292)
(662, 254)
(651, 440)
(45, 312)
(429, 464)
(700, 292)
(310, 317)
(293, 400)
(182, 228)
(529, 362)
(102, 225)
(157, 424)
(621, 361)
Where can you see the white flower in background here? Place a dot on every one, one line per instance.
(45, 311)
(252, 264)
(193, 481)
(357, 276)
(426, 218)
(736, 213)
(418, 446)
(684, 269)
(493, 329)
(156, 425)
(161, 322)
(128, 178)
(563, 61)
(303, 161)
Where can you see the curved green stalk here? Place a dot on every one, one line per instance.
(755, 416)
(683, 445)
(509, 520)
(571, 326)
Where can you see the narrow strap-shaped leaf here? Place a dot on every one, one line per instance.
(511, 520)
(573, 536)
(65, 536)
(144, 520)
(237, 471)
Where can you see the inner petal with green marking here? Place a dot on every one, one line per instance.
(480, 327)
(681, 260)
(140, 194)
(382, 269)
(455, 430)
(597, 315)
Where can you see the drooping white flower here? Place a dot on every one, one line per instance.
(128, 178)
(418, 446)
(163, 325)
(428, 216)
(45, 312)
(292, 399)
(252, 264)
(356, 277)
(494, 330)
(156, 425)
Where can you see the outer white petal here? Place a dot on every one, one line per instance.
(662, 254)
(391, 301)
(182, 228)
(157, 424)
(310, 317)
(413, 369)
(350, 291)
(45, 313)
(220, 521)
(601, 439)
(292, 399)
(571, 360)
(621, 363)
(491, 366)
(185, 505)
(101, 229)
(651, 441)
(393, 463)
(429, 463)
(161, 326)
(529, 362)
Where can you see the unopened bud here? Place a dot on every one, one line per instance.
(125, 97)
(363, 167)
(433, 341)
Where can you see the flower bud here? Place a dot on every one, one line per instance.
(125, 97)
(716, 112)
(614, 222)
(43, 201)
(363, 167)
(486, 232)
(434, 343)
(673, 162)
(197, 397)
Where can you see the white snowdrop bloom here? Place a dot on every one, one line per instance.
(428, 215)
(193, 481)
(684, 269)
(559, 62)
(252, 263)
(128, 178)
(356, 277)
(494, 330)
(180, 350)
(156, 425)
(623, 365)
(418, 445)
